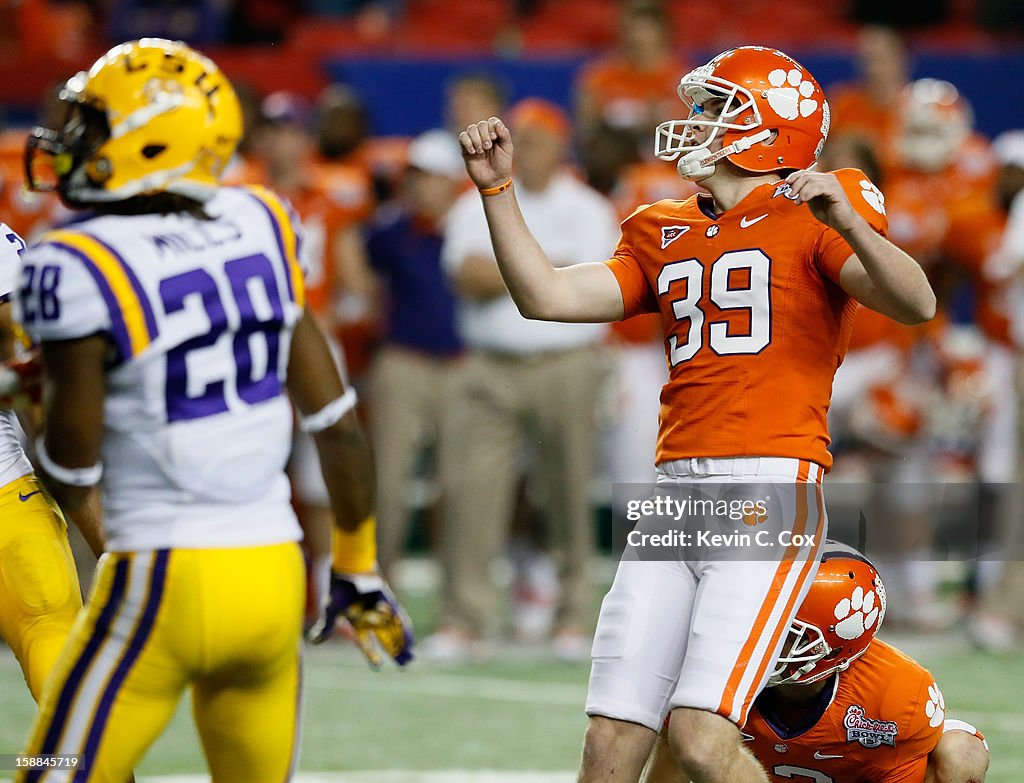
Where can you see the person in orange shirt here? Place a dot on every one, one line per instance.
(939, 186)
(940, 198)
(347, 159)
(347, 168)
(868, 107)
(291, 169)
(842, 705)
(995, 624)
(633, 87)
(756, 283)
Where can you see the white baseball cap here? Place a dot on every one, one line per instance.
(437, 152)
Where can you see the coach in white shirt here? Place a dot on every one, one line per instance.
(523, 379)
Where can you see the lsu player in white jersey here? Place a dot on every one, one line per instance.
(174, 332)
(39, 591)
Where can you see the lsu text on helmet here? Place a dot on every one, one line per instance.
(774, 116)
(150, 116)
(837, 620)
(935, 121)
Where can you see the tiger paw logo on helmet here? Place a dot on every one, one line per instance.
(857, 614)
(790, 95)
(767, 112)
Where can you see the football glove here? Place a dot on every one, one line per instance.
(21, 381)
(376, 617)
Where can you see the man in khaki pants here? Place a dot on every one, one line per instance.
(522, 380)
(410, 395)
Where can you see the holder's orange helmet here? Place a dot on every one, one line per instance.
(774, 118)
(837, 620)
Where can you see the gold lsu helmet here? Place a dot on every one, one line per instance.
(150, 116)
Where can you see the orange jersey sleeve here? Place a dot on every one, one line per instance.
(637, 296)
(925, 711)
(868, 201)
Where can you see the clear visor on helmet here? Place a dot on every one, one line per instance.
(804, 647)
(716, 105)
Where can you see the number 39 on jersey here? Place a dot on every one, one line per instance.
(739, 281)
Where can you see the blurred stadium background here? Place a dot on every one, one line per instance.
(376, 73)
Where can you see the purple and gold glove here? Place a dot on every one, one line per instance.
(376, 617)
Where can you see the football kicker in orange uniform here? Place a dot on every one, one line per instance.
(755, 283)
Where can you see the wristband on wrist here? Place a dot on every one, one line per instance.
(355, 551)
(75, 477)
(494, 191)
(330, 414)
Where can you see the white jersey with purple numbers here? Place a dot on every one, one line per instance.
(199, 315)
(13, 462)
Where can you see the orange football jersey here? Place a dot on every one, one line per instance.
(321, 219)
(855, 112)
(944, 219)
(332, 197)
(874, 723)
(753, 316)
(974, 238)
(926, 207)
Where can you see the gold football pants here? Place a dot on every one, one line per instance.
(39, 591)
(226, 622)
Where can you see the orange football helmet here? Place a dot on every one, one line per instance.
(775, 116)
(837, 620)
(935, 121)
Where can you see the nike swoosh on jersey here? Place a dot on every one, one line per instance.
(747, 737)
(23, 498)
(745, 222)
(823, 756)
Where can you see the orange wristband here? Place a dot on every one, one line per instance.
(355, 551)
(497, 188)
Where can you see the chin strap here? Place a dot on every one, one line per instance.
(692, 168)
